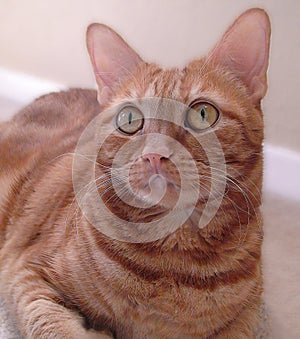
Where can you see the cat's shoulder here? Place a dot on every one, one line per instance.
(59, 109)
(43, 130)
(49, 121)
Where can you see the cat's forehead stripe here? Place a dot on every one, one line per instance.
(165, 84)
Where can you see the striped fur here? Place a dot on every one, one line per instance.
(64, 279)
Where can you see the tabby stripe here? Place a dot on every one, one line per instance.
(247, 270)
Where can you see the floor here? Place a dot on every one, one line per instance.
(281, 253)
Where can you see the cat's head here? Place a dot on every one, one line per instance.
(188, 135)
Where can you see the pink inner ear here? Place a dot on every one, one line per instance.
(244, 49)
(113, 60)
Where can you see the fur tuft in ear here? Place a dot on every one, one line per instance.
(244, 49)
(113, 60)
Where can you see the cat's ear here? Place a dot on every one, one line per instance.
(113, 60)
(244, 49)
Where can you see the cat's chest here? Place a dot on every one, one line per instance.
(155, 309)
(139, 307)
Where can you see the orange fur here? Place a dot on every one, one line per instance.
(64, 279)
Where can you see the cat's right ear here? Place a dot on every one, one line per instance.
(113, 60)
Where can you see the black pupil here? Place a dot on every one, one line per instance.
(130, 118)
(203, 113)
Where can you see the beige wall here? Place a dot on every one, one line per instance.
(47, 39)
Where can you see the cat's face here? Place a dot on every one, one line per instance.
(176, 140)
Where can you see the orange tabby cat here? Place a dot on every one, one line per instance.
(71, 268)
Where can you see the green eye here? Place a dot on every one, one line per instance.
(201, 115)
(130, 120)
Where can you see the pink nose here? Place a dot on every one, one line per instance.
(155, 160)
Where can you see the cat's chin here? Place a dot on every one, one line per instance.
(159, 191)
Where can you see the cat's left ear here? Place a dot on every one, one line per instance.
(244, 49)
(113, 60)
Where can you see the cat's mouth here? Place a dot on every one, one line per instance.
(155, 186)
(159, 184)
(158, 190)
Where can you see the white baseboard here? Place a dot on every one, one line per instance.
(282, 166)
(24, 88)
(282, 171)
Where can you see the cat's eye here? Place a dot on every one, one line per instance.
(130, 120)
(201, 115)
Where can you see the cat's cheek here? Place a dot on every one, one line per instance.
(109, 150)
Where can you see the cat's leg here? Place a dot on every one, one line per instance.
(40, 312)
(47, 319)
(243, 327)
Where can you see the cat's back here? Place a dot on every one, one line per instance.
(60, 110)
(40, 133)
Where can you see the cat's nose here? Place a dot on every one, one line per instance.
(155, 160)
